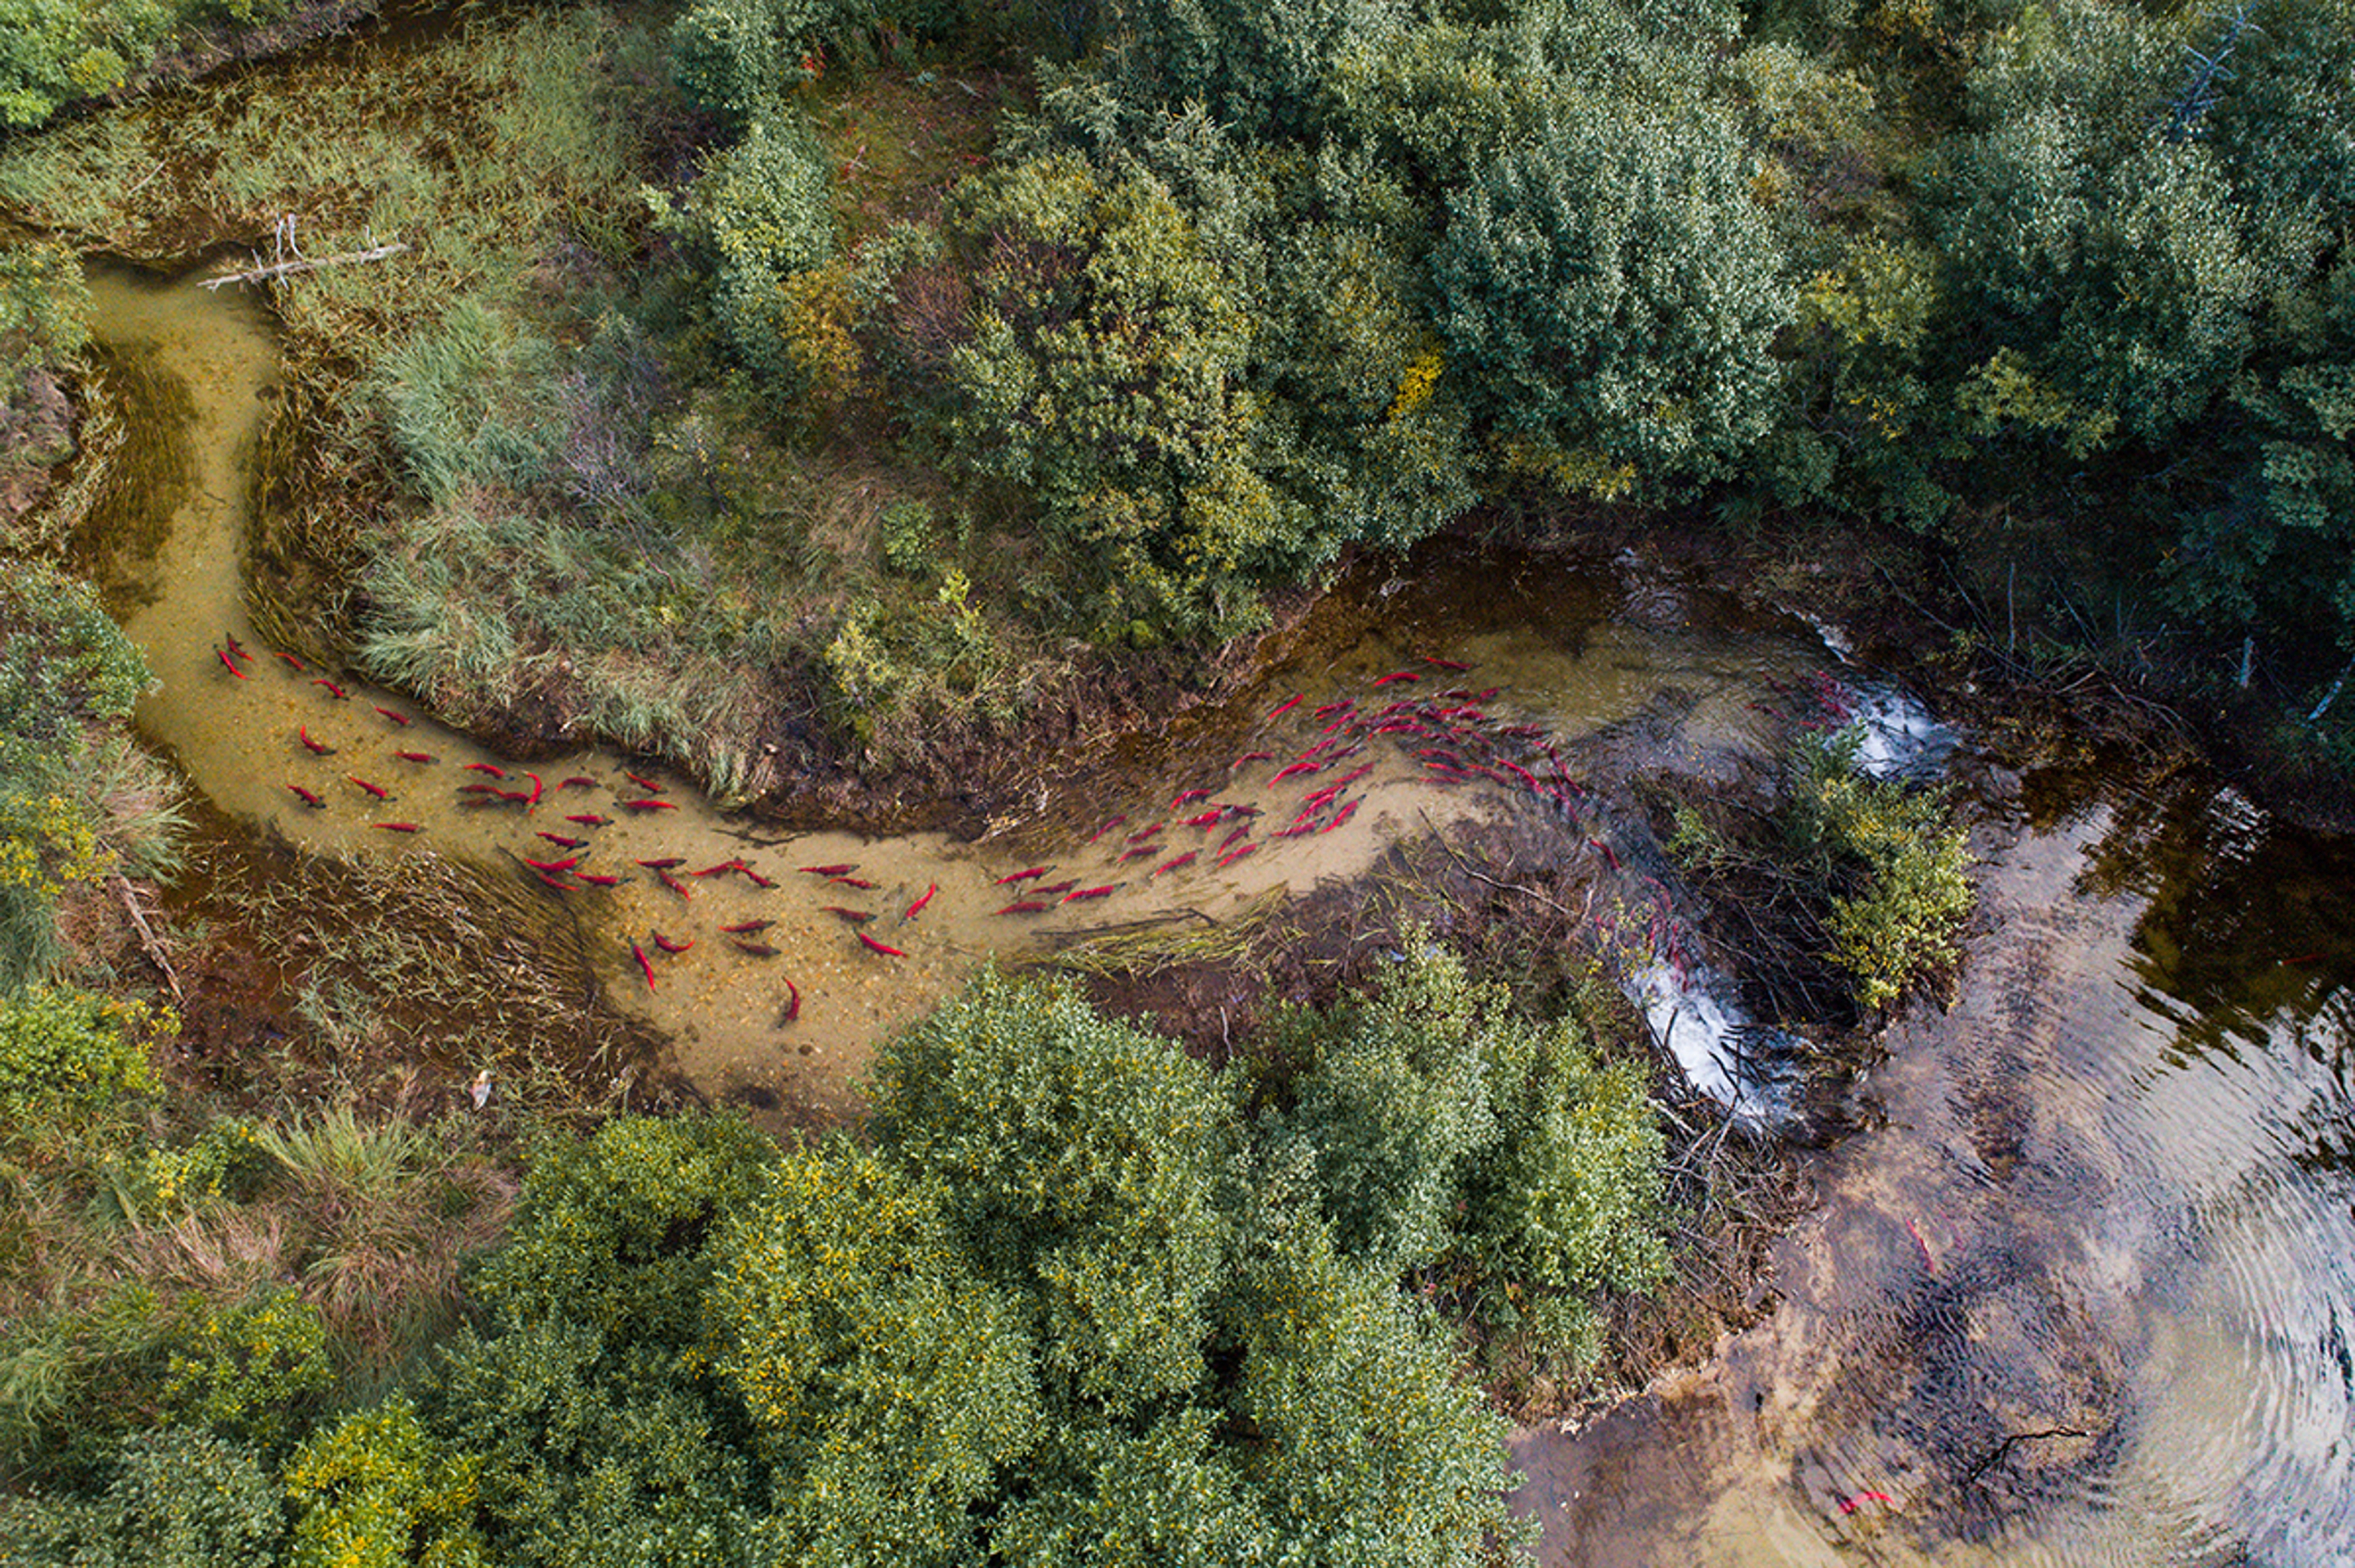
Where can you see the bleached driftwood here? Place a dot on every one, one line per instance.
(286, 269)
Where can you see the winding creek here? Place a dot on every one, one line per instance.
(2078, 1290)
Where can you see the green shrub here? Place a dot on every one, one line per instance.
(376, 1490)
(1899, 861)
(53, 52)
(761, 213)
(249, 1371)
(177, 1497)
(1081, 1154)
(613, 1232)
(65, 1052)
(44, 307)
(734, 58)
(596, 1452)
(1614, 291)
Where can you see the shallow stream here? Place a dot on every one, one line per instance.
(2080, 1292)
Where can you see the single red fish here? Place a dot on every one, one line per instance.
(1241, 832)
(229, 663)
(291, 662)
(1140, 851)
(590, 819)
(550, 867)
(855, 916)
(337, 692)
(487, 768)
(746, 927)
(1231, 857)
(831, 870)
(793, 993)
(861, 883)
(667, 946)
(399, 719)
(1295, 768)
(478, 789)
(377, 790)
(1302, 825)
(664, 864)
(1027, 906)
(1915, 1231)
(399, 826)
(578, 781)
(561, 842)
(646, 806)
(1342, 816)
(537, 790)
(1250, 757)
(1188, 859)
(307, 799)
(721, 870)
(236, 649)
(1206, 819)
(644, 965)
(645, 784)
(1603, 850)
(1353, 775)
(598, 878)
(1186, 795)
(755, 878)
(415, 756)
(885, 948)
(1445, 663)
(1330, 708)
(1107, 827)
(1850, 1504)
(1073, 898)
(514, 796)
(1141, 837)
(1288, 708)
(559, 883)
(317, 748)
(1065, 886)
(1398, 674)
(763, 949)
(674, 885)
(1022, 876)
(914, 908)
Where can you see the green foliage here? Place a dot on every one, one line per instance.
(1900, 860)
(248, 1372)
(1398, 1093)
(912, 661)
(1614, 291)
(594, 1453)
(735, 58)
(760, 213)
(177, 1497)
(67, 1052)
(1443, 1128)
(2108, 259)
(613, 1232)
(889, 1382)
(1104, 372)
(471, 403)
(1081, 1154)
(1263, 68)
(43, 307)
(1568, 1201)
(376, 1490)
(53, 52)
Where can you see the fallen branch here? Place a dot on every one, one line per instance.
(287, 269)
(147, 935)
